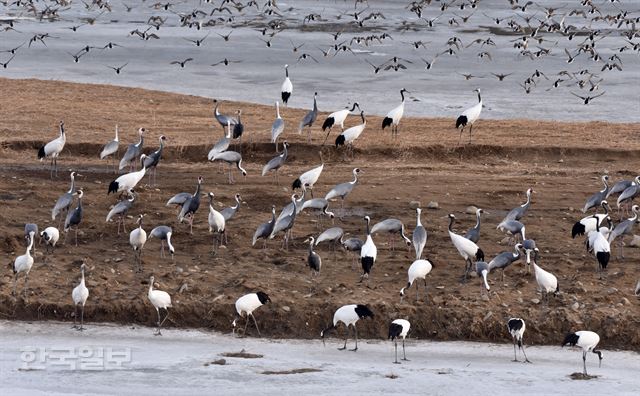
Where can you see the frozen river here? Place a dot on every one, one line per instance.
(346, 77)
(50, 358)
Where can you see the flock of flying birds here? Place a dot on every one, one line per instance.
(574, 33)
(599, 236)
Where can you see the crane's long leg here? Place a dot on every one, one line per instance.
(355, 330)
(404, 354)
(395, 345)
(75, 316)
(470, 129)
(521, 345)
(76, 234)
(81, 318)
(15, 283)
(346, 337)
(460, 137)
(584, 362)
(515, 357)
(246, 323)
(165, 318)
(256, 323)
(158, 323)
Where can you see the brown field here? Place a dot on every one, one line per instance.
(561, 161)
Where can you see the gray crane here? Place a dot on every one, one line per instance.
(513, 228)
(191, 206)
(133, 152)
(630, 192)
(623, 228)
(30, 231)
(65, 200)
(321, 206)
(238, 128)
(505, 259)
(221, 145)
(223, 120)
(309, 118)
(519, 211)
(619, 187)
(334, 235)
(120, 209)
(74, 217)
(179, 199)
(343, 189)
(595, 200)
(529, 247)
(482, 270)
(229, 212)
(152, 160)
(391, 226)
(286, 224)
(288, 208)
(111, 149)
(313, 259)
(276, 162)
(353, 245)
(230, 157)
(474, 233)
(277, 127)
(163, 233)
(264, 230)
(419, 237)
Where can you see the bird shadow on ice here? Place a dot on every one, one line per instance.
(582, 376)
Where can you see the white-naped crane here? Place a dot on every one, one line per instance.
(79, 294)
(264, 230)
(333, 235)
(394, 116)
(230, 211)
(216, 224)
(160, 300)
(53, 149)
(309, 118)
(163, 233)
(588, 224)
(513, 228)
(128, 181)
(321, 206)
(231, 158)
(519, 211)
(596, 199)
(588, 341)
(505, 259)
(223, 120)
(474, 232)
(121, 209)
(469, 117)
(314, 261)
(133, 152)
(22, 265)
(276, 162)
(529, 247)
(348, 137)
(277, 127)
(353, 245)
(547, 282)
(309, 178)
(628, 195)
(30, 231)
(111, 149)
(482, 270)
(191, 206)
(337, 118)
(222, 144)
(285, 224)
(287, 88)
(516, 328)
(368, 253)
(349, 316)
(419, 237)
(65, 200)
(469, 251)
(288, 208)
(180, 198)
(419, 269)
(391, 227)
(399, 328)
(246, 305)
(152, 160)
(51, 235)
(623, 228)
(137, 239)
(343, 189)
(74, 218)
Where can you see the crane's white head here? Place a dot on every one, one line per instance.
(141, 131)
(200, 179)
(452, 216)
(479, 211)
(477, 90)
(151, 280)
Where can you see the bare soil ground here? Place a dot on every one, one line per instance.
(563, 162)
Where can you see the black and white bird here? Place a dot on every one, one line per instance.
(65, 200)
(391, 227)
(337, 118)
(230, 157)
(160, 300)
(601, 247)
(309, 118)
(314, 261)
(80, 294)
(419, 269)
(596, 199)
(128, 181)
(248, 303)
(287, 88)
(474, 233)
(137, 239)
(588, 224)
(547, 282)
(309, 178)
(51, 235)
(264, 230)
(277, 127)
(516, 328)
(190, 206)
(121, 209)
(216, 224)
(505, 259)
(348, 137)
(53, 149)
(74, 217)
(276, 162)
(519, 211)
(163, 233)
(469, 117)
(394, 116)
(368, 253)
(588, 341)
(349, 316)
(469, 251)
(343, 189)
(111, 148)
(133, 152)
(23, 264)
(419, 237)
(399, 328)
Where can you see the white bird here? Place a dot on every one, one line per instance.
(419, 269)
(53, 150)
(309, 178)
(368, 254)
(111, 148)
(287, 87)
(277, 127)
(516, 328)
(137, 239)
(51, 235)
(394, 116)
(349, 316)
(349, 136)
(468, 250)
(128, 181)
(160, 300)
(588, 224)
(419, 237)
(337, 118)
(248, 303)
(547, 282)
(79, 294)
(399, 328)
(469, 116)
(588, 341)
(600, 244)
(23, 264)
(216, 224)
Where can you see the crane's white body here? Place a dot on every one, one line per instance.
(248, 303)
(466, 248)
(24, 262)
(353, 133)
(419, 238)
(339, 117)
(51, 236)
(310, 177)
(346, 314)
(137, 238)
(287, 87)
(80, 293)
(419, 269)
(129, 181)
(158, 298)
(406, 326)
(369, 249)
(587, 340)
(55, 147)
(547, 282)
(473, 113)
